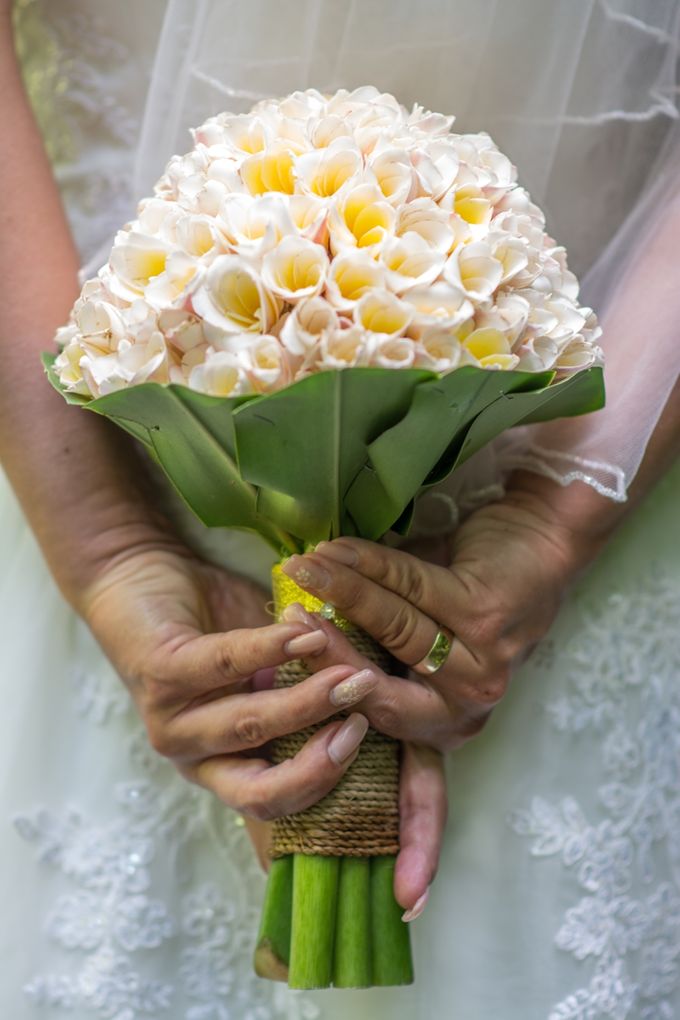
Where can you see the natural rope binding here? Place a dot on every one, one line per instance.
(360, 817)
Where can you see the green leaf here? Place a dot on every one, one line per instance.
(577, 394)
(402, 458)
(191, 437)
(304, 445)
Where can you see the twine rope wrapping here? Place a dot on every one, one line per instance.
(360, 817)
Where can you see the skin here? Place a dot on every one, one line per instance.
(204, 647)
(203, 650)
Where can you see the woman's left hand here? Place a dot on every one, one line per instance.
(508, 567)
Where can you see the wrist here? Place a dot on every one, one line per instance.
(581, 519)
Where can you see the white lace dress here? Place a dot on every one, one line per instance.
(126, 893)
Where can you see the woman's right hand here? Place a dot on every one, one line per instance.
(197, 650)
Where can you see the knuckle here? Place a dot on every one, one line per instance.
(225, 661)
(159, 738)
(256, 804)
(249, 731)
(487, 691)
(400, 629)
(385, 716)
(350, 596)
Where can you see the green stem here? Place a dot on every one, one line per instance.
(352, 965)
(392, 964)
(272, 953)
(315, 891)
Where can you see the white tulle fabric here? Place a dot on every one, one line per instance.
(582, 96)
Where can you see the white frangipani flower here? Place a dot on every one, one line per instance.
(425, 217)
(324, 172)
(233, 297)
(317, 232)
(361, 218)
(440, 304)
(307, 323)
(221, 375)
(350, 276)
(254, 225)
(410, 261)
(474, 269)
(136, 259)
(380, 311)
(295, 269)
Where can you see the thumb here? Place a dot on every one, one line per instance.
(423, 809)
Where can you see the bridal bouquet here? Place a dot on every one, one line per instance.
(327, 305)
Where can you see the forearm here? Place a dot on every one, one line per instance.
(70, 470)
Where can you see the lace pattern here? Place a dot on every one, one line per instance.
(118, 935)
(621, 690)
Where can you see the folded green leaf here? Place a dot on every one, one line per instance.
(308, 442)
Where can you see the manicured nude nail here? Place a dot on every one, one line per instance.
(307, 573)
(295, 613)
(417, 908)
(306, 644)
(353, 689)
(337, 551)
(347, 738)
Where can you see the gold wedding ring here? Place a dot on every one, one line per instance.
(438, 653)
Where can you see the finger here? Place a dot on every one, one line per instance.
(211, 662)
(263, 791)
(399, 707)
(422, 811)
(242, 722)
(434, 589)
(261, 837)
(395, 623)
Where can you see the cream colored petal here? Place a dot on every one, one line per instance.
(233, 297)
(135, 260)
(361, 219)
(267, 365)
(397, 352)
(394, 174)
(295, 269)
(426, 218)
(309, 215)
(350, 276)
(410, 262)
(221, 375)
(439, 350)
(475, 270)
(255, 225)
(436, 168)
(272, 170)
(380, 311)
(173, 287)
(324, 172)
(439, 304)
(306, 324)
(343, 348)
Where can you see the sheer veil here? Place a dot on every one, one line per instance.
(583, 96)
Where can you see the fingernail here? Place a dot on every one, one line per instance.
(348, 738)
(307, 573)
(417, 908)
(305, 644)
(353, 689)
(337, 551)
(295, 613)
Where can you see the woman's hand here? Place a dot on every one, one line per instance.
(197, 650)
(510, 563)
